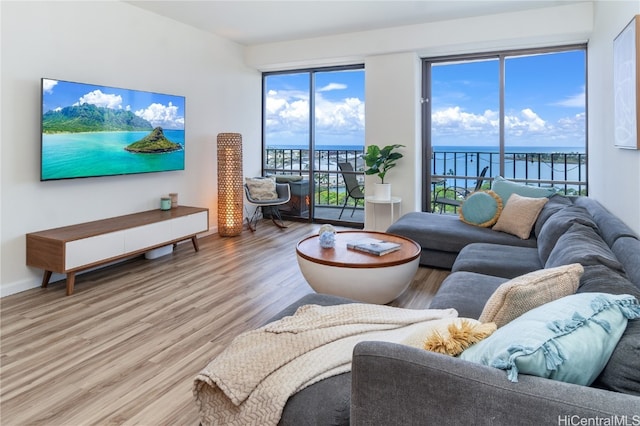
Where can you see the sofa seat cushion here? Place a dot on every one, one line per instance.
(445, 232)
(466, 292)
(437, 259)
(497, 260)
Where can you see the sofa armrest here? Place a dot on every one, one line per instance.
(397, 384)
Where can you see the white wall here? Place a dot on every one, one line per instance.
(113, 44)
(534, 28)
(393, 116)
(614, 173)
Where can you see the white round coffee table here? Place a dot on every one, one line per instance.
(341, 271)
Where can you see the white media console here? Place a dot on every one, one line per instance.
(74, 248)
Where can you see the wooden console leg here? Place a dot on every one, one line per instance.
(71, 281)
(45, 279)
(194, 240)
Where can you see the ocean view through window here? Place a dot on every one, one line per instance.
(313, 120)
(522, 114)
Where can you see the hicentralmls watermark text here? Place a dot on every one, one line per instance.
(574, 420)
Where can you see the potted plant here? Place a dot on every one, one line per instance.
(379, 162)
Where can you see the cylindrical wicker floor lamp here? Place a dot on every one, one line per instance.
(230, 184)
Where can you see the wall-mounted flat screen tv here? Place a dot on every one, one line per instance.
(90, 130)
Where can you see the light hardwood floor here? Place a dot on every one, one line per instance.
(125, 347)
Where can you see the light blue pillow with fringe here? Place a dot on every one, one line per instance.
(570, 339)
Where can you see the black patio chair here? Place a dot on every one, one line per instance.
(354, 189)
(441, 199)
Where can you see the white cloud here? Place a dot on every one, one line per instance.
(101, 99)
(48, 85)
(287, 113)
(165, 116)
(332, 86)
(454, 119)
(525, 122)
(525, 126)
(575, 101)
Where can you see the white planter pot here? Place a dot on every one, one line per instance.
(382, 191)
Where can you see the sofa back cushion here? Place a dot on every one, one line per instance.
(627, 250)
(611, 226)
(557, 225)
(622, 372)
(582, 244)
(556, 203)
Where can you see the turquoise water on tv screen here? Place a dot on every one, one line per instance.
(72, 155)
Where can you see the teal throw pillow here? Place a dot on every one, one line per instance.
(570, 339)
(482, 208)
(504, 188)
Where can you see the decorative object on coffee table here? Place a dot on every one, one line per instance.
(327, 236)
(230, 184)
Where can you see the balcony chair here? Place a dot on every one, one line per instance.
(354, 189)
(268, 206)
(441, 199)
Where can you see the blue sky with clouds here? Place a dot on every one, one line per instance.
(339, 108)
(166, 111)
(544, 104)
(544, 101)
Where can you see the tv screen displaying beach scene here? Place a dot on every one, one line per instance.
(90, 130)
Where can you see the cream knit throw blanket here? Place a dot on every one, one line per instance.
(251, 380)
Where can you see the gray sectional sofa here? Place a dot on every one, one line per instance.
(396, 384)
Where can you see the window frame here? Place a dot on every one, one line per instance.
(501, 56)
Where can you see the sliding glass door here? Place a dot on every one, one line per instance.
(313, 121)
(520, 115)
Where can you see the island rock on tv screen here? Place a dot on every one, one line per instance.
(90, 130)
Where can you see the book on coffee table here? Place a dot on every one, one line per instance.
(373, 246)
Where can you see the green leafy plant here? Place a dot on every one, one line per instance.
(380, 161)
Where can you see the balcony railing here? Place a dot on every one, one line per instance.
(564, 171)
(330, 189)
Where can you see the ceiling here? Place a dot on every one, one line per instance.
(257, 22)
